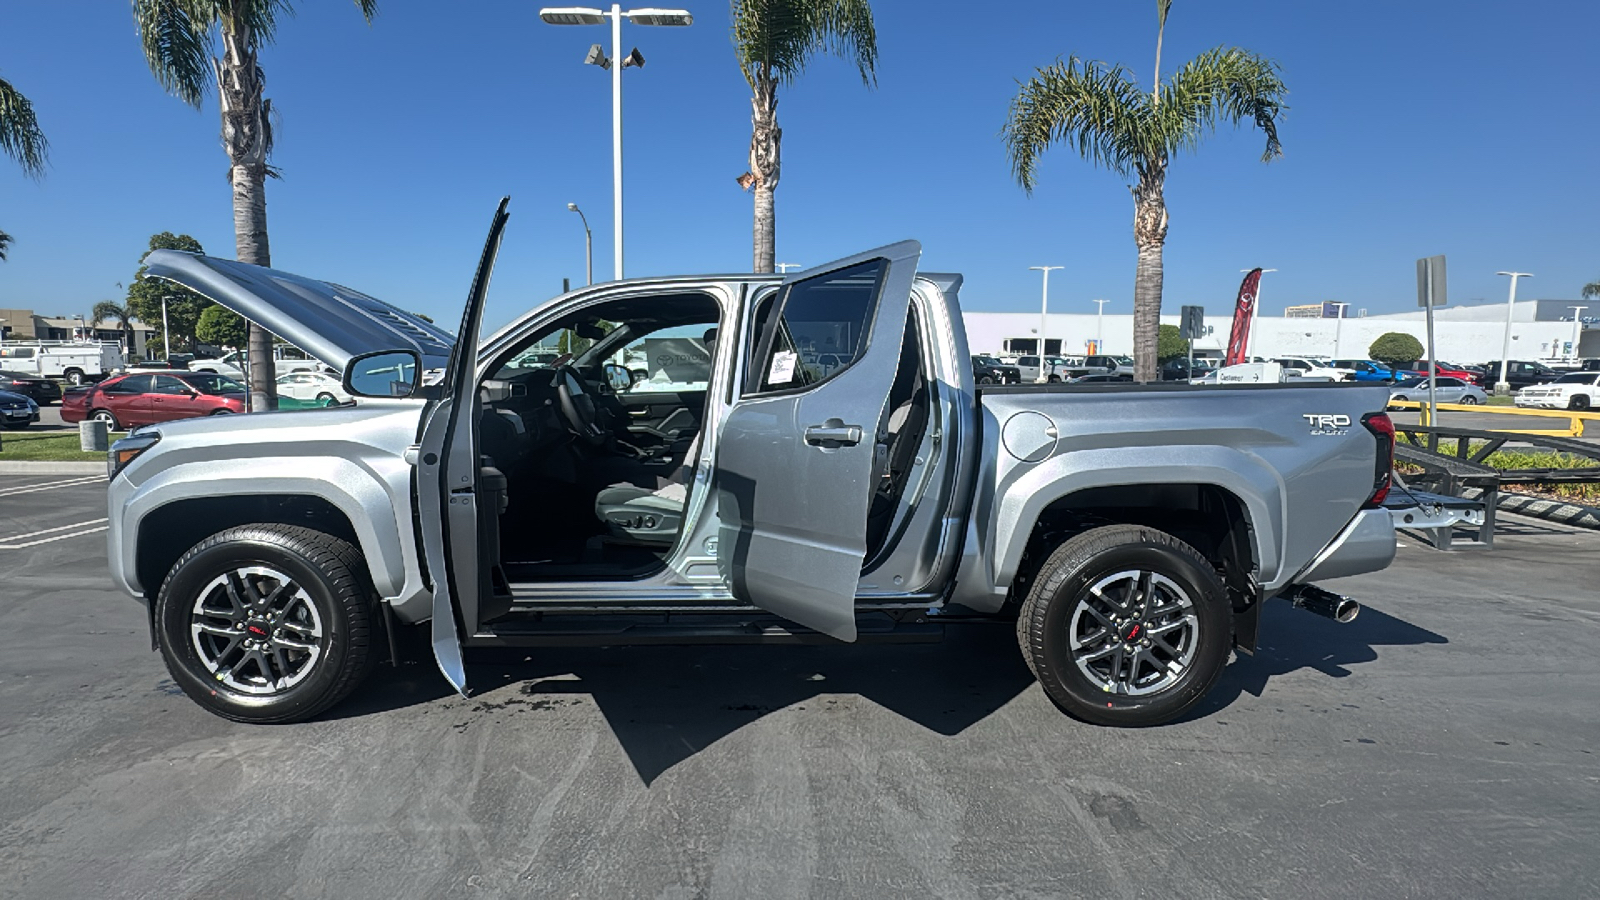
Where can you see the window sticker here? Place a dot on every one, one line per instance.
(782, 367)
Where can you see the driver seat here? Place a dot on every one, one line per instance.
(654, 517)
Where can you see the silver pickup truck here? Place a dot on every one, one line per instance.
(726, 458)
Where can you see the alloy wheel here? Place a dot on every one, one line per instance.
(1133, 632)
(256, 630)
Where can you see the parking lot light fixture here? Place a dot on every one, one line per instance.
(588, 243)
(1044, 307)
(1502, 385)
(1100, 327)
(1338, 326)
(1577, 329)
(584, 15)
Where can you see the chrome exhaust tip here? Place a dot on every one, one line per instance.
(1327, 604)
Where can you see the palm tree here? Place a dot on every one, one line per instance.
(21, 140)
(774, 39)
(1590, 290)
(1098, 110)
(179, 39)
(122, 314)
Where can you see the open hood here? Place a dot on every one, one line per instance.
(330, 322)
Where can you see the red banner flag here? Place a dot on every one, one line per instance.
(1243, 311)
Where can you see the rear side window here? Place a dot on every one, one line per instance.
(133, 384)
(819, 330)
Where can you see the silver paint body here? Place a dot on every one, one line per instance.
(965, 515)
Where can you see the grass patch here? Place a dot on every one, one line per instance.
(1499, 401)
(47, 446)
(1535, 458)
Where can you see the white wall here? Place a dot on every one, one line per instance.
(1459, 341)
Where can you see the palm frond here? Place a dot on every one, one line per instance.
(1224, 84)
(1090, 105)
(176, 38)
(107, 309)
(20, 136)
(5, 242)
(775, 39)
(369, 8)
(1591, 290)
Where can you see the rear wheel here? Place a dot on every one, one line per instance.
(1126, 625)
(108, 417)
(267, 623)
(1469, 400)
(1579, 402)
(73, 376)
(326, 399)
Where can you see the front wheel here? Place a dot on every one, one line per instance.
(267, 623)
(1469, 400)
(1126, 625)
(1578, 403)
(326, 399)
(108, 417)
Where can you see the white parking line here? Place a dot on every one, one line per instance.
(18, 542)
(51, 485)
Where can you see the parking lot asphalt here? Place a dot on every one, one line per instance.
(1445, 744)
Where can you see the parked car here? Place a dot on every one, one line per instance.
(1056, 369)
(1366, 370)
(1575, 390)
(1312, 370)
(309, 390)
(1179, 370)
(1520, 374)
(1104, 378)
(1444, 369)
(129, 401)
(284, 359)
(72, 361)
(17, 411)
(43, 391)
(864, 502)
(1120, 365)
(989, 370)
(1446, 390)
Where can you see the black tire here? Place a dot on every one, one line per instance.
(334, 599)
(326, 399)
(220, 412)
(1578, 403)
(1062, 585)
(73, 377)
(1469, 400)
(984, 379)
(109, 417)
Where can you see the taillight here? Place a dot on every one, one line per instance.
(1382, 428)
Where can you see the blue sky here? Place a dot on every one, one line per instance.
(1416, 127)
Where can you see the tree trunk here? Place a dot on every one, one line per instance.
(247, 136)
(1149, 234)
(766, 140)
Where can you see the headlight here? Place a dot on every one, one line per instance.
(128, 449)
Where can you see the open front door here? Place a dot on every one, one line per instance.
(447, 479)
(795, 458)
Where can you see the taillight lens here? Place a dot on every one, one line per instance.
(1382, 428)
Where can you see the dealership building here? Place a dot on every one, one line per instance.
(1540, 330)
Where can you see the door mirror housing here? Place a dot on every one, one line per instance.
(618, 377)
(386, 373)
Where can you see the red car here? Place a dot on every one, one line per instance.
(144, 399)
(1445, 370)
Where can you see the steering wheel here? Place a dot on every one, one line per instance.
(577, 407)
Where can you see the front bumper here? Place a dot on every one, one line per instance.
(19, 416)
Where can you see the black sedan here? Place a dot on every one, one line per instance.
(17, 411)
(43, 391)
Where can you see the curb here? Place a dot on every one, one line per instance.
(1560, 512)
(26, 467)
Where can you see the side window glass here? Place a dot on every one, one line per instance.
(134, 384)
(819, 330)
(166, 384)
(671, 360)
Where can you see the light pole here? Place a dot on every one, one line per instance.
(1255, 313)
(1044, 307)
(582, 15)
(783, 268)
(1577, 327)
(1338, 325)
(588, 244)
(1502, 385)
(1100, 327)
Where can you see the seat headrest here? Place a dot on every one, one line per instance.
(710, 337)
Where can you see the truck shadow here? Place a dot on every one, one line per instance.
(1292, 640)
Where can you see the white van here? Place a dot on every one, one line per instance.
(74, 362)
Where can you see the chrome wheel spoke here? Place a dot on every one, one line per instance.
(256, 630)
(1133, 632)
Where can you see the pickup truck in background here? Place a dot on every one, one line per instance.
(73, 362)
(1131, 532)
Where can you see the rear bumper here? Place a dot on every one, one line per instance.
(1367, 544)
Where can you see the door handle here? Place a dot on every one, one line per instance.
(833, 433)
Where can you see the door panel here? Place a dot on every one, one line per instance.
(795, 459)
(654, 419)
(448, 478)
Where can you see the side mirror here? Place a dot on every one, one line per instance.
(618, 377)
(386, 373)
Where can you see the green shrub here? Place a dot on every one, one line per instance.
(1394, 348)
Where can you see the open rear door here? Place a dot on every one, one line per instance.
(447, 479)
(795, 457)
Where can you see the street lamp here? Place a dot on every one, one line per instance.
(1338, 325)
(1502, 385)
(783, 268)
(1044, 307)
(1100, 327)
(1577, 326)
(581, 15)
(1255, 313)
(588, 244)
